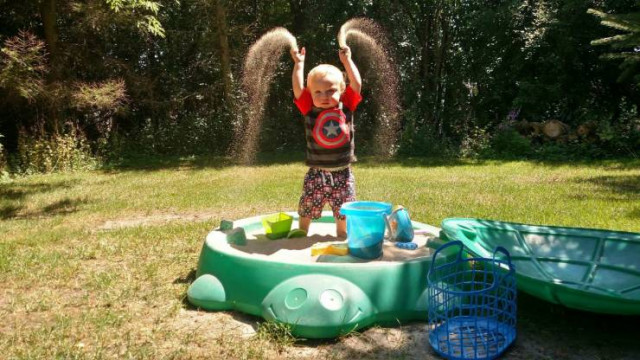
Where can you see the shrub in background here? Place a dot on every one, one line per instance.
(98, 103)
(620, 138)
(52, 153)
(476, 142)
(23, 66)
(425, 141)
(510, 144)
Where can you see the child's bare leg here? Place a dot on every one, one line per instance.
(341, 227)
(304, 223)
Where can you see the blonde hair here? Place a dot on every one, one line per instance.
(327, 71)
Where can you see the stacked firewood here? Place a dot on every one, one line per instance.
(556, 130)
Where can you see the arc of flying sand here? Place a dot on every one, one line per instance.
(258, 71)
(386, 96)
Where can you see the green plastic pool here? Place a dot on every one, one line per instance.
(320, 297)
(585, 269)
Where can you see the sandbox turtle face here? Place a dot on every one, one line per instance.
(318, 301)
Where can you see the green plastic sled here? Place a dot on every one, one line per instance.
(585, 269)
(321, 299)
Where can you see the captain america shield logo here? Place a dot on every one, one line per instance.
(331, 130)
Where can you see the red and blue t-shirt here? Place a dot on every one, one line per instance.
(329, 132)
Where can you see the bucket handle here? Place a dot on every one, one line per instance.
(442, 248)
(388, 223)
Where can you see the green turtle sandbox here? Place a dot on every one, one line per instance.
(584, 269)
(319, 297)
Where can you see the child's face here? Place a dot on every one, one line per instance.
(325, 92)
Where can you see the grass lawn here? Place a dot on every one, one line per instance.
(97, 264)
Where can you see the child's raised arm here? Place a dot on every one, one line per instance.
(355, 81)
(297, 77)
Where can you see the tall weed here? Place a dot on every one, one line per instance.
(53, 153)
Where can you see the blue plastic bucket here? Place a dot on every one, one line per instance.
(365, 227)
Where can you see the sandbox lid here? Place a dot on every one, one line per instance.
(586, 269)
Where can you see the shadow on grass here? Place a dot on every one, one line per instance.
(187, 279)
(140, 162)
(157, 163)
(633, 214)
(9, 211)
(64, 206)
(196, 162)
(61, 207)
(376, 162)
(622, 188)
(16, 191)
(623, 184)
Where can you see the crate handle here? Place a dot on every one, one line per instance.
(505, 252)
(496, 263)
(442, 247)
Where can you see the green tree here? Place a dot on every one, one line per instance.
(73, 82)
(627, 43)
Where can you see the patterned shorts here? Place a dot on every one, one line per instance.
(320, 187)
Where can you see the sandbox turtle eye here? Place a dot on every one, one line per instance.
(295, 298)
(331, 299)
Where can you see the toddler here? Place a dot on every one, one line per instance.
(327, 105)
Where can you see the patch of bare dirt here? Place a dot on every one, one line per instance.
(545, 331)
(155, 220)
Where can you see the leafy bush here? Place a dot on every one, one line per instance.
(475, 143)
(509, 143)
(425, 142)
(50, 153)
(622, 138)
(23, 65)
(569, 151)
(186, 135)
(99, 102)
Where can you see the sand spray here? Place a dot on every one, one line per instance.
(257, 73)
(372, 45)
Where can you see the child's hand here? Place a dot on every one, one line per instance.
(345, 54)
(298, 56)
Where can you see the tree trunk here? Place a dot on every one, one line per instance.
(431, 52)
(224, 53)
(425, 72)
(439, 69)
(426, 34)
(49, 23)
(298, 10)
(49, 17)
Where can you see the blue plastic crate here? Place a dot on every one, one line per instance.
(472, 305)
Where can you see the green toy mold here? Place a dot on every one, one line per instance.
(320, 298)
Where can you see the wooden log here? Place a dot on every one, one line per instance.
(526, 128)
(537, 128)
(586, 129)
(523, 127)
(553, 129)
